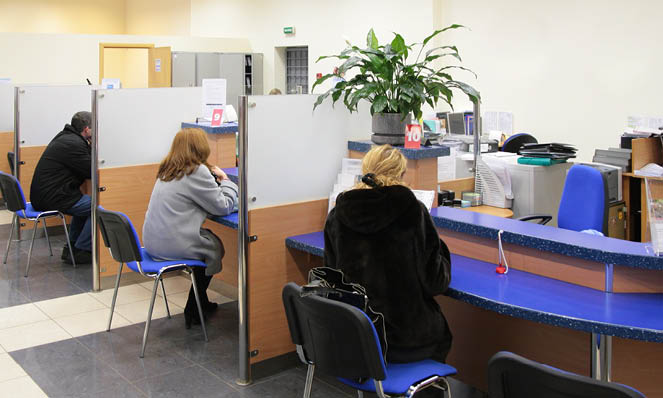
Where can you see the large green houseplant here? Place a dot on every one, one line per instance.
(394, 87)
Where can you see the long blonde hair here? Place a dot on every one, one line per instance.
(189, 150)
(386, 164)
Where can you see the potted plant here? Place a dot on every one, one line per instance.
(394, 87)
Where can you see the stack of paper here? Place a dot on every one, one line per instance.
(650, 170)
(346, 179)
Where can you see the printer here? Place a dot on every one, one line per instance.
(613, 176)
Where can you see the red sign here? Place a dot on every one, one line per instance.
(217, 117)
(413, 136)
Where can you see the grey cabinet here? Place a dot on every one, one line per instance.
(243, 72)
(183, 69)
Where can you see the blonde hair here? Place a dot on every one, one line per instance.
(386, 163)
(189, 150)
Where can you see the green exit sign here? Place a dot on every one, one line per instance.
(289, 30)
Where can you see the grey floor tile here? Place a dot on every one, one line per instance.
(289, 384)
(120, 390)
(45, 286)
(67, 368)
(10, 296)
(193, 381)
(120, 349)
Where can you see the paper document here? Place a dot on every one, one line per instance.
(497, 121)
(650, 170)
(641, 122)
(425, 197)
(446, 166)
(214, 96)
(351, 166)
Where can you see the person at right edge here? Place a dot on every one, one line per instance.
(383, 238)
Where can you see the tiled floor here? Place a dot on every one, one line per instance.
(53, 341)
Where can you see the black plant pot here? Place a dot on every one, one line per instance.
(389, 128)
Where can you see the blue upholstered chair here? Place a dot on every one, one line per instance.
(584, 202)
(512, 376)
(122, 240)
(513, 143)
(15, 200)
(340, 339)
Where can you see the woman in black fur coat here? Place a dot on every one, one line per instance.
(383, 238)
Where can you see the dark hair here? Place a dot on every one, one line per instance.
(81, 120)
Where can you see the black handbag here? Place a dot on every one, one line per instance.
(330, 283)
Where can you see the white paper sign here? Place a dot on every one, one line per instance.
(214, 96)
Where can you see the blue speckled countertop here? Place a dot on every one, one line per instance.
(229, 221)
(225, 128)
(537, 298)
(549, 239)
(232, 173)
(424, 152)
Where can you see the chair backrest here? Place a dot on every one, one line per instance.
(512, 376)
(338, 338)
(119, 236)
(10, 160)
(12, 192)
(584, 203)
(513, 143)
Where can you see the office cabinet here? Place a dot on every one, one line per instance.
(183, 69)
(243, 72)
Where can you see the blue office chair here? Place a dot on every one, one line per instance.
(513, 143)
(121, 239)
(340, 339)
(15, 200)
(512, 376)
(584, 202)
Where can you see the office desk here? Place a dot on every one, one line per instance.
(493, 211)
(221, 140)
(232, 173)
(557, 291)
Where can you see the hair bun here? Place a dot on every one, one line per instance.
(369, 179)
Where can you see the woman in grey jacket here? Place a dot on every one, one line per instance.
(187, 190)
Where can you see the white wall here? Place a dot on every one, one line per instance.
(69, 59)
(322, 26)
(571, 71)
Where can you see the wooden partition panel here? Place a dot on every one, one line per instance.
(222, 150)
(128, 190)
(6, 145)
(271, 265)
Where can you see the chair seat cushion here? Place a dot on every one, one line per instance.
(30, 212)
(400, 376)
(152, 266)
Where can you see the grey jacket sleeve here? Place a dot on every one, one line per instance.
(214, 199)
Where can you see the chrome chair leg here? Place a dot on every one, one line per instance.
(379, 390)
(69, 244)
(50, 250)
(149, 316)
(117, 287)
(11, 235)
(165, 300)
(200, 308)
(32, 242)
(309, 380)
(360, 394)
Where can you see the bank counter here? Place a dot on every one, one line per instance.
(583, 303)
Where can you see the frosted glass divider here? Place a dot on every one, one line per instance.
(137, 126)
(44, 110)
(294, 153)
(6, 107)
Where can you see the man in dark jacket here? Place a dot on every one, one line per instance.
(63, 167)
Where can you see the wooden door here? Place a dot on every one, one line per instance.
(159, 72)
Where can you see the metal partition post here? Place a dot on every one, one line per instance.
(476, 131)
(94, 192)
(601, 345)
(243, 246)
(17, 147)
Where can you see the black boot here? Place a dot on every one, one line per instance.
(191, 316)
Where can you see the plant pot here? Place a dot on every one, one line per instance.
(389, 128)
